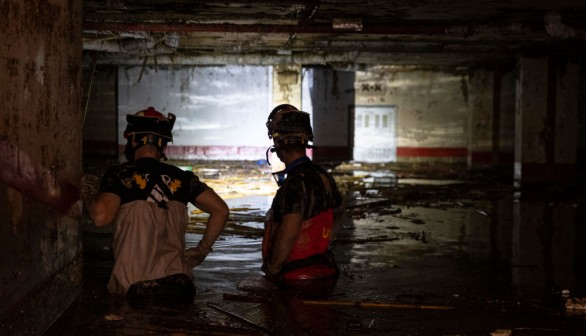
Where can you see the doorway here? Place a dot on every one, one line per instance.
(375, 133)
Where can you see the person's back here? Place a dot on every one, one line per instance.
(147, 202)
(149, 229)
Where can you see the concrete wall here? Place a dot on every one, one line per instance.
(442, 114)
(432, 109)
(221, 110)
(451, 115)
(40, 146)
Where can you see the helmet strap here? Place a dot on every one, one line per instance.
(271, 149)
(146, 139)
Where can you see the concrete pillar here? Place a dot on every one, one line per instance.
(286, 90)
(546, 121)
(566, 116)
(40, 147)
(328, 95)
(481, 127)
(287, 84)
(491, 117)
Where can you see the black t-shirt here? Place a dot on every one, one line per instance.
(149, 179)
(307, 191)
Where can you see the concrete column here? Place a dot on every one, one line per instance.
(40, 147)
(492, 111)
(328, 96)
(546, 121)
(287, 85)
(566, 116)
(286, 90)
(481, 128)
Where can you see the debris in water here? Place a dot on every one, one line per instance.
(576, 303)
(240, 318)
(113, 317)
(501, 332)
(362, 304)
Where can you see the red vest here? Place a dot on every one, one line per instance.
(314, 238)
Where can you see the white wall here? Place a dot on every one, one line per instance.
(221, 107)
(432, 108)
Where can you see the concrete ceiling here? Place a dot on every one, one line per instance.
(342, 32)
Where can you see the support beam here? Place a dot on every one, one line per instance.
(546, 121)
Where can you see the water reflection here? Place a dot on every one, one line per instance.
(508, 245)
(548, 246)
(498, 258)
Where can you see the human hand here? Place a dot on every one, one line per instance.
(274, 276)
(90, 185)
(196, 255)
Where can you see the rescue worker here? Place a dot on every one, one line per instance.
(295, 247)
(146, 200)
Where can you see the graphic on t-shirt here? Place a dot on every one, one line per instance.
(140, 181)
(159, 193)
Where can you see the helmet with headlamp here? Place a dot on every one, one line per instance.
(148, 127)
(288, 125)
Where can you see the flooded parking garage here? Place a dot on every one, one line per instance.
(420, 253)
(489, 84)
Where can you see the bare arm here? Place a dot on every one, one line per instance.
(104, 208)
(285, 238)
(208, 201)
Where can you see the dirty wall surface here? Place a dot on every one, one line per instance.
(422, 251)
(438, 114)
(40, 146)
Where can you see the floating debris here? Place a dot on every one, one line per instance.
(367, 201)
(240, 318)
(364, 240)
(576, 303)
(364, 304)
(113, 317)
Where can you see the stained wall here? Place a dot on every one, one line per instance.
(441, 114)
(40, 147)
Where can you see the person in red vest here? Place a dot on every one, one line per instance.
(296, 245)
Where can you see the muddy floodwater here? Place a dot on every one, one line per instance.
(419, 254)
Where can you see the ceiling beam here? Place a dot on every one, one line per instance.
(462, 31)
